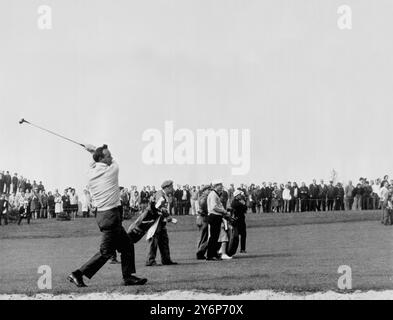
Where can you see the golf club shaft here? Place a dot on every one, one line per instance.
(56, 134)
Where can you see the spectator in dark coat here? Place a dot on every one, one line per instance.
(339, 197)
(239, 210)
(66, 202)
(7, 181)
(15, 181)
(35, 206)
(304, 198)
(51, 205)
(322, 196)
(1, 182)
(331, 195)
(314, 193)
(4, 207)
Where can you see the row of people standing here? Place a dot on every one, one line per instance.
(290, 197)
(17, 183)
(41, 205)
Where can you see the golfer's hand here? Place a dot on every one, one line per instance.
(90, 148)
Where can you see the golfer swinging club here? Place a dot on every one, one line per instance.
(103, 183)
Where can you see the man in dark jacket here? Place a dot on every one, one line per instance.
(51, 205)
(366, 195)
(144, 198)
(331, 195)
(159, 239)
(4, 206)
(294, 202)
(313, 192)
(322, 193)
(339, 197)
(1, 182)
(43, 198)
(269, 197)
(40, 187)
(66, 202)
(15, 183)
(178, 200)
(304, 198)
(185, 201)
(263, 196)
(7, 181)
(239, 210)
(224, 198)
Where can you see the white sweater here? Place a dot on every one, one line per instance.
(286, 194)
(104, 185)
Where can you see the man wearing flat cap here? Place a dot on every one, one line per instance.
(160, 237)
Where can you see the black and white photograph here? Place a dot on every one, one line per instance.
(196, 150)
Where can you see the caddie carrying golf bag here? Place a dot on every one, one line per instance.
(144, 221)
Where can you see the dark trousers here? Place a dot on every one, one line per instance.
(112, 240)
(264, 205)
(51, 212)
(241, 228)
(178, 208)
(43, 213)
(294, 205)
(160, 240)
(304, 205)
(203, 241)
(253, 206)
(14, 188)
(215, 227)
(28, 217)
(7, 188)
(365, 202)
(1, 186)
(5, 217)
(183, 207)
(268, 205)
(330, 203)
(339, 204)
(313, 204)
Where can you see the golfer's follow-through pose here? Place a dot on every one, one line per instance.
(104, 187)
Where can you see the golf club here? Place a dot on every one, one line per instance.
(56, 134)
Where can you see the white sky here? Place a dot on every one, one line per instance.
(314, 97)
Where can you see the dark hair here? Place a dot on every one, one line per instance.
(98, 155)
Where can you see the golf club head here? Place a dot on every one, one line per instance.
(22, 120)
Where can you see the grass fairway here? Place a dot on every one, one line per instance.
(286, 252)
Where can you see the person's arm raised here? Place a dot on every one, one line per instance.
(90, 148)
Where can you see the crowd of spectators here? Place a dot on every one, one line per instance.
(17, 193)
(19, 198)
(272, 197)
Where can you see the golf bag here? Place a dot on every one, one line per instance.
(143, 222)
(233, 238)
